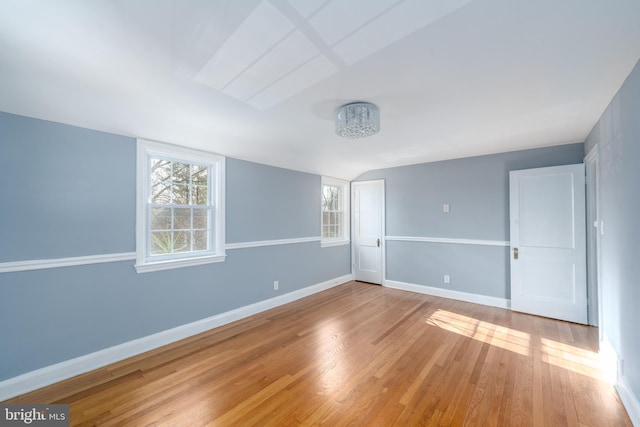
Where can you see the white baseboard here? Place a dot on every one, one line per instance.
(447, 293)
(614, 365)
(70, 368)
(629, 400)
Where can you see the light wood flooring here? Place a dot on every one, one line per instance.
(360, 355)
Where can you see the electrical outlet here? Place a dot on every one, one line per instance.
(275, 285)
(447, 279)
(445, 208)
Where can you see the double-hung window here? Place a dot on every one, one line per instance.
(180, 211)
(335, 212)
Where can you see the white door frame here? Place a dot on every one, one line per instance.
(592, 163)
(383, 239)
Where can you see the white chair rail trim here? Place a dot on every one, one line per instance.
(260, 243)
(448, 240)
(39, 264)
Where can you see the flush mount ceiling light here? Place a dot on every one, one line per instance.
(357, 120)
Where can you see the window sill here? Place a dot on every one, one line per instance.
(329, 243)
(148, 267)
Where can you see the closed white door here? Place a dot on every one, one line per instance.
(368, 233)
(548, 242)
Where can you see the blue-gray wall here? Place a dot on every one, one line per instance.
(477, 191)
(65, 191)
(68, 192)
(618, 135)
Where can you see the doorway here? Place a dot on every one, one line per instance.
(368, 231)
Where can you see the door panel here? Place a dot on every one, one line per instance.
(547, 222)
(546, 211)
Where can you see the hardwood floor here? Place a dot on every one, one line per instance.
(357, 354)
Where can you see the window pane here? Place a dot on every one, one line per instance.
(200, 218)
(160, 219)
(161, 193)
(182, 219)
(325, 231)
(160, 170)
(325, 198)
(181, 173)
(160, 242)
(200, 240)
(182, 241)
(199, 175)
(199, 194)
(180, 194)
(334, 198)
(330, 195)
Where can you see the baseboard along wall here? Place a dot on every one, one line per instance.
(614, 364)
(447, 293)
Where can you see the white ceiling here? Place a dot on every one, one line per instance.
(260, 79)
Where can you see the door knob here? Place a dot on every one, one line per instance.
(515, 253)
(378, 242)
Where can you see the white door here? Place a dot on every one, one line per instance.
(368, 230)
(548, 242)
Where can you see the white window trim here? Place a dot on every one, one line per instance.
(217, 252)
(346, 197)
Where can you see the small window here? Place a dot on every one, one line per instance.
(335, 212)
(180, 212)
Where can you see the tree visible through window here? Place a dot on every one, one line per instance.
(335, 212)
(332, 216)
(179, 209)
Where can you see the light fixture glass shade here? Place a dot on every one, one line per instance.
(357, 120)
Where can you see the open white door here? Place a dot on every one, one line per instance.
(548, 242)
(368, 230)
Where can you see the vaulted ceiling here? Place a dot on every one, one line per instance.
(261, 79)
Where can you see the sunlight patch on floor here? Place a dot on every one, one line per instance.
(574, 359)
(565, 356)
(479, 330)
(335, 357)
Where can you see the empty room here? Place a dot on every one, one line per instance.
(319, 212)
